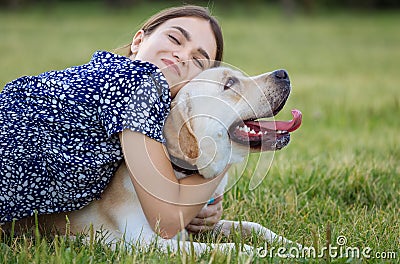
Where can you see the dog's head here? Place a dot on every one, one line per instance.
(214, 119)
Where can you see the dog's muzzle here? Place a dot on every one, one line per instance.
(265, 135)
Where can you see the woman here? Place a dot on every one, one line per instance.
(64, 133)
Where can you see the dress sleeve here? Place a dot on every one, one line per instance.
(137, 100)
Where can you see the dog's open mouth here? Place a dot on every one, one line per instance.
(265, 135)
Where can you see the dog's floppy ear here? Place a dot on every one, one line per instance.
(181, 140)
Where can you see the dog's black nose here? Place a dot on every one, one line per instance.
(281, 74)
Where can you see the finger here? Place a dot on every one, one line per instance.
(198, 229)
(197, 221)
(207, 211)
(208, 221)
(213, 208)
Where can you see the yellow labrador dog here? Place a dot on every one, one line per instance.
(213, 122)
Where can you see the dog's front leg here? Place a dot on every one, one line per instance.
(198, 248)
(225, 227)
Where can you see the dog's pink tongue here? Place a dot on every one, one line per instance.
(288, 126)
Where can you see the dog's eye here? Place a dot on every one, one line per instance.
(229, 83)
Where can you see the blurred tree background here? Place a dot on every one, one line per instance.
(289, 5)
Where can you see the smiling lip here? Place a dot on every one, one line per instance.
(170, 63)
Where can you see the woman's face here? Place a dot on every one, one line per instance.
(181, 47)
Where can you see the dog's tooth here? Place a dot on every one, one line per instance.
(247, 129)
(259, 133)
(252, 132)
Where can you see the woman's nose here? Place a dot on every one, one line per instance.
(181, 56)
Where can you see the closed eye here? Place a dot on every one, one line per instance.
(198, 62)
(174, 39)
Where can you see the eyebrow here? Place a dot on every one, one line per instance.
(187, 36)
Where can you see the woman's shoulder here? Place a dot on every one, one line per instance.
(127, 73)
(112, 60)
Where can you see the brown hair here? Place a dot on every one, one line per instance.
(186, 11)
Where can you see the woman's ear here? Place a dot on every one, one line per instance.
(137, 40)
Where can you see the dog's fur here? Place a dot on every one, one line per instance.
(197, 131)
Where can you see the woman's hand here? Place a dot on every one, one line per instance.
(207, 218)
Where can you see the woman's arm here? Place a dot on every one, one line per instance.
(169, 204)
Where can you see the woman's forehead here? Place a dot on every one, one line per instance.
(197, 30)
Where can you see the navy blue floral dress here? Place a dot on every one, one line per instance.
(59, 144)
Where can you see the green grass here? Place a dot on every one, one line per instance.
(340, 174)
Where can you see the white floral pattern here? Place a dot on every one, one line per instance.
(59, 144)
